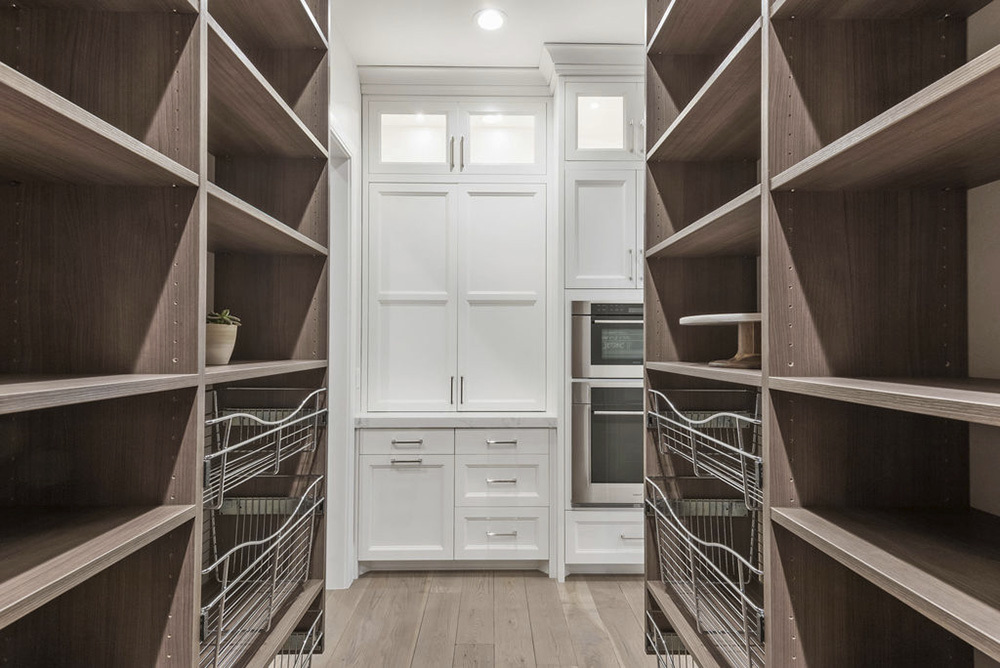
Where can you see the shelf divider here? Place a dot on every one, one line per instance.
(45, 553)
(48, 137)
(945, 566)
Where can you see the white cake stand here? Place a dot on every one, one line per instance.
(748, 345)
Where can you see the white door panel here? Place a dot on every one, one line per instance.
(601, 221)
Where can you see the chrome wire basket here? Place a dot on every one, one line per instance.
(668, 648)
(242, 443)
(720, 587)
(260, 553)
(300, 646)
(725, 446)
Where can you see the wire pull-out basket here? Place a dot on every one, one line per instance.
(245, 586)
(719, 586)
(300, 646)
(725, 446)
(668, 648)
(242, 443)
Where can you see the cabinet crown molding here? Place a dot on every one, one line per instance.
(453, 81)
(566, 59)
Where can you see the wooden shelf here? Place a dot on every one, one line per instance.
(750, 377)
(283, 628)
(235, 226)
(732, 229)
(706, 655)
(944, 565)
(246, 116)
(179, 6)
(44, 554)
(948, 134)
(29, 392)
(723, 118)
(872, 9)
(246, 370)
(702, 26)
(967, 399)
(270, 24)
(47, 137)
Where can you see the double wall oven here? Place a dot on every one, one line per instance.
(607, 422)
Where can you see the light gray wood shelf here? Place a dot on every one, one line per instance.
(871, 9)
(732, 229)
(34, 392)
(751, 377)
(237, 227)
(235, 371)
(272, 24)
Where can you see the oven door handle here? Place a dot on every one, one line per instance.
(638, 321)
(616, 413)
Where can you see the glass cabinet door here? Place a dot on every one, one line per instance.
(604, 121)
(411, 137)
(502, 138)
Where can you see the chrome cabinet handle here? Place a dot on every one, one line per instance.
(417, 442)
(495, 534)
(631, 132)
(418, 460)
(451, 386)
(616, 412)
(461, 389)
(631, 264)
(624, 537)
(637, 321)
(461, 154)
(451, 155)
(497, 481)
(490, 442)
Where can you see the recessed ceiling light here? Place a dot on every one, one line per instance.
(490, 19)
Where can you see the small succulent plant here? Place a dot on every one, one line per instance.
(223, 317)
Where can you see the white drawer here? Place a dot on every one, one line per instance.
(502, 533)
(502, 480)
(407, 441)
(501, 441)
(605, 536)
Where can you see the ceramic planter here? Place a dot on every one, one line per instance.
(219, 343)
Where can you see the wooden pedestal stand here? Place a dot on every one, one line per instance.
(748, 347)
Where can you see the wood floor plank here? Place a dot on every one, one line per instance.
(383, 630)
(620, 621)
(511, 623)
(340, 607)
(635, 593)
(475, 621)
(549, 631)
(439, 627)
(591, 641)
(473, 656)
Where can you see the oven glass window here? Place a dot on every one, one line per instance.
(617, 344)
(616, 436)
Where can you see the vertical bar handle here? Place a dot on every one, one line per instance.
(451, 155)
(461, 154)
(631, 264)
(451, 391)
(461, 389)
(631, 136)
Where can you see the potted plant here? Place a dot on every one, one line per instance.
(220, 337)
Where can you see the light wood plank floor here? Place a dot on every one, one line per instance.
(495, 619)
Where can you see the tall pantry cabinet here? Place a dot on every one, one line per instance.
(161, 159)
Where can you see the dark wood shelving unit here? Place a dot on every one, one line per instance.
(143, 147)
(875, 121)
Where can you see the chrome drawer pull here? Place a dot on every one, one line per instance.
(495, 442)
(415, 442)
(624, 537)
(494, 534)
(505, 481)
(406, 461)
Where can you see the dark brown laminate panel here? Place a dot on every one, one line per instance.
(702, 26)
(237, 227)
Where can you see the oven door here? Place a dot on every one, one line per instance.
(608, 440)
(607, 346)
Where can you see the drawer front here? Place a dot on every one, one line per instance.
(502, 441)
(502, 480)
(502, 533)
(407, 441)
(604, 537)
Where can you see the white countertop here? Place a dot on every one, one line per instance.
(455, 420)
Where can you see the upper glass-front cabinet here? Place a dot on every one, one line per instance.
(482, 137)
(604, 121)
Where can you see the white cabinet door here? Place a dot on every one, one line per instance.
(502, 533)
(604, 121)
(502, 480)
(501, 313)
(605, 537)
(601, 229)
(502, 137)
(413, 137)
(413, 248)
(407, 507)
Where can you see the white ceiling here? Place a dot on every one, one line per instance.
(443, 32)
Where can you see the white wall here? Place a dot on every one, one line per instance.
(345, 214)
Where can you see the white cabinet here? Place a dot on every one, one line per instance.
(502, 480)
(457, 283)
(605, 121)
(502, 533)
(603, 234)
(406, 507)
(413, 256)
(604, 537)
(434, 136)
